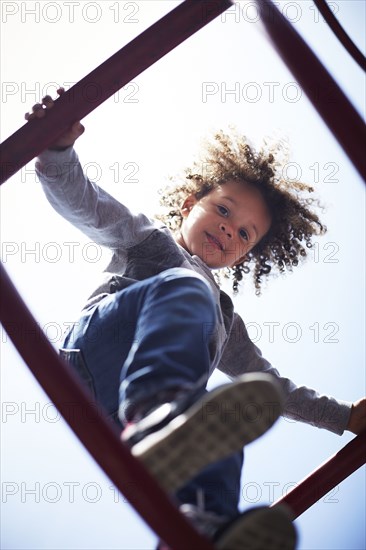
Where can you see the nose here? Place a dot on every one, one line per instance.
(226, 230)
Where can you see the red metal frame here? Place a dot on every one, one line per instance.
(328, 99)
(117, 71)
(91, 425)
(328, 475)
(59, 382)
(340, 33)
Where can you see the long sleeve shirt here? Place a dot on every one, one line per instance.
(142, 248)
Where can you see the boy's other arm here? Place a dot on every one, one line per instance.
(302, 404)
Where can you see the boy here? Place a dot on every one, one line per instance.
(158, 325)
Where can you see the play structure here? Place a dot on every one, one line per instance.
(95, 431)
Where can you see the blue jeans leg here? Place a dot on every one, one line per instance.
(217, 487)
(149, 337)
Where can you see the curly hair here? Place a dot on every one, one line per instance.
(230, 157)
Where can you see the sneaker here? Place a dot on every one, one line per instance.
(176, 444)
(205, 522)
(260, 528)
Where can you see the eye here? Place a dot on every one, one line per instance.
(244, 234)
(224, 211)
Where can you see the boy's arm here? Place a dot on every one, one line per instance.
(91, 209)
(304, 404)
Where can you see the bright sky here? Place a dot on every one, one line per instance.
(309, 324)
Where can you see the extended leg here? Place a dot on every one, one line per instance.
(148, 337)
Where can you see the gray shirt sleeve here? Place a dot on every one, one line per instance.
(97, 214)
(241, 355)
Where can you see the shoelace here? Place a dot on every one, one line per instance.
(206, 522)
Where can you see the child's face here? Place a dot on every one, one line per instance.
(222, 227)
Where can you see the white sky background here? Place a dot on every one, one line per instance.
(147, 131)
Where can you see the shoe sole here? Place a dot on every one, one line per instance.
(222, 422)
(259, 529)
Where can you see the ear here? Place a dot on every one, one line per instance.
(187, 205)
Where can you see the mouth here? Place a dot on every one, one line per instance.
(214, 241)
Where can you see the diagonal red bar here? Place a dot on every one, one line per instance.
(340, 33)
(105, 80)
(331, 103)
(326, 477)
(95, 431)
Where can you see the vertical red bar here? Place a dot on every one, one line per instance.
(340, 33)
(322, 90)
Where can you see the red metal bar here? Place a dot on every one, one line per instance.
(328, 475)
(331, 103)
(57, 380)
(349, 129)
(92, 427)
(105, 80)
(340, 33)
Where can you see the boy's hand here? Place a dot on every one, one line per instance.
(39, 110)
(357, 420)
